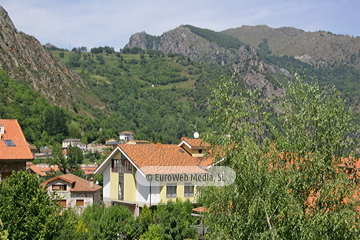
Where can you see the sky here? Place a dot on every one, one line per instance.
(94, 23)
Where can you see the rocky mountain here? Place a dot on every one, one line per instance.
(319, 48)
(211, 47)
(25, 59)
(184, 41)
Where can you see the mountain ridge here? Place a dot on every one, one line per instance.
(24, 58)
(320, 48)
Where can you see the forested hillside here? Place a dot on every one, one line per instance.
(264, 56)
(157, 96)
(24, 59)
(156, 87)
(41, 122)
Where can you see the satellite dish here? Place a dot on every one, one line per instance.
(196, 135)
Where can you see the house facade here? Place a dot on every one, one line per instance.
(126, 168)
(72, 191)
(14, 149)
(74, 143)
(126, 136)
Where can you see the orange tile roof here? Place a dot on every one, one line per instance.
(88, 169)
(200, 209)
(21, 150)
(195, 142)
(43, 170)
(126, 132)
(161, 155)
(32, 147)
(79, 184)
(137, 141)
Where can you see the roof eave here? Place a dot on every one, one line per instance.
(102, 166)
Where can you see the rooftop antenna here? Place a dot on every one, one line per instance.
(196, 135)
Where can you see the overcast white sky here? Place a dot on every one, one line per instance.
(93, 23)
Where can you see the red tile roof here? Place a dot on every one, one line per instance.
(137, 142)
(79, 184)
(88, 169)
(200, 209)
(195, 142)
(126, 132)
(21, 150)
(160, 155)
(43, 170)
(351, 166)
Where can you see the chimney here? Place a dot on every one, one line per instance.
(92, 182)
(2, 129)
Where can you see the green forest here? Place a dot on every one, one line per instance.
(158, 96)
(31, 214)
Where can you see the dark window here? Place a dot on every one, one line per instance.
(121, 166)
(60, 202)
(171, 191)
(200, 151)
(116, 165)
(121, 187)
(80, 202)
(188, 190)
(58, 187)
(9, 143)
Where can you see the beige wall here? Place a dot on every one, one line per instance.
(129, 183)
(194, 152)
(179, 194)
(130, 186)
(114, 185)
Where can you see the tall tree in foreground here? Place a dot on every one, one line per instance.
(288, 183)
(26, 209)
(69, 164)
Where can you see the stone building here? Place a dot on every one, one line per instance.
(73, 191)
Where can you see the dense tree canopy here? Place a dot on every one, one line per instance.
(288, 183)
(26, 209)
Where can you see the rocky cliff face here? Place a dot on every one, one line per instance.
(319, 48)
(23, 57)
(181, 40)
(137, 40)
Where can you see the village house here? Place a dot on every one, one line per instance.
(42, 170)
(125, 169)
(111, 143)
(126, 136)
(88, 169)
(14, 149)
(73, 191)
(74, 143)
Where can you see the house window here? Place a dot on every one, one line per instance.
(80, 202)
(128, 166)
(171, 191)
(188, 190)
(121, 166)
(116, 165)
(9, 143)
(59, 187)
(121, 186)
(60, 202)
